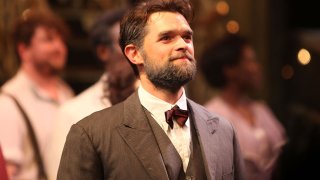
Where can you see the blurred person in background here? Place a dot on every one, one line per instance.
(29, 101)
(122, 81)
(3, 170)
(104, 38)
(230, 65)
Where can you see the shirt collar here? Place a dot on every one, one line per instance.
(36, 90)
(157, 106)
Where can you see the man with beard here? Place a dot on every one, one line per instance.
(29, 101)
(156, 133)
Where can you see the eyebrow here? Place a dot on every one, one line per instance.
(189, 32)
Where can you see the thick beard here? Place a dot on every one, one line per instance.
(46, 69)
(170, 76)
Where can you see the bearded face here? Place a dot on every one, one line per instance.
(167, 52)
(47, 52)
(172, 73)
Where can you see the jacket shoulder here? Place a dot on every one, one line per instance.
(204, 113)
(106, 118)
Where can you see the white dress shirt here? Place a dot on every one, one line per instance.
(179, 136)
(41, 110)
(87, 102)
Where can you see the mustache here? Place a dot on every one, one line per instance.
(182, 55)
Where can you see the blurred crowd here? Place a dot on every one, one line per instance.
(37, 107)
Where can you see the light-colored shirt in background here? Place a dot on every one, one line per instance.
(260, 144)
(91, 100)
(40, 109)
(179, 136)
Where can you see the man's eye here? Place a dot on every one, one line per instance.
(165, 38)
(187, 37)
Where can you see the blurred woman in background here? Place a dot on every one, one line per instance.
(230, 66)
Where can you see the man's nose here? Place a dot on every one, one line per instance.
(59, 43)
(182, 45)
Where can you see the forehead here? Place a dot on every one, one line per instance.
(46, 31)
(167, 21)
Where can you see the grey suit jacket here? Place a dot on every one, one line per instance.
(118, 143)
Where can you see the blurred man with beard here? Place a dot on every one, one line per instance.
(33, 94)
(105, 92)
(157, 132)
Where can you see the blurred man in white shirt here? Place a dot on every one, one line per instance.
(40, 44)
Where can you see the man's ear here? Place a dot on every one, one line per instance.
(133, 54)
(22, 50)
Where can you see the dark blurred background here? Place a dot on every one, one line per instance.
(280, 30)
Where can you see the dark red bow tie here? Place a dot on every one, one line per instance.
(177, 114)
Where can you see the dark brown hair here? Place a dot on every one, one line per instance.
(132, 26)
(25, 26)
(225, 52)
(100, 33)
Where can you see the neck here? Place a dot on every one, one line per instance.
(48, 83)
(163, 94)
(240, 102)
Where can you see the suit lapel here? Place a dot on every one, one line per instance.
(169, 153)
(206, 126)
(137, 133)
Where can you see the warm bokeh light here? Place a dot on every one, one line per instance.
(222, 8)
(287, 72)
(304, 56)
(233, 27)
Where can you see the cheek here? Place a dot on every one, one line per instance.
(156, 54)
(38, 48)
(42, 50)
(38, 52)
(191, 48)
(64, 51)
(62, 47)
